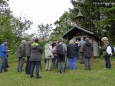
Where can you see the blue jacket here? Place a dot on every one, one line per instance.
(3, 52)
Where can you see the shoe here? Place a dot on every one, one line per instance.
(31, 76)
(86, 68)
(107, 68)
(46, 70)
(89, 68)
(63, 72)
(38, 77)
(5, 70)
(60, 72)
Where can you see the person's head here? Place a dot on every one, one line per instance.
(61, 40)
(87, 40)
(104, 40)
(81, 38)
(6, 42)
(23, 42)
(32, 39)
(55, 41)
(77, 41)
(36, 40)
(71, 42)
(50, 42)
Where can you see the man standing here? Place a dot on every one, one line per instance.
(80, 45)
(21, 54)
(28, 54)
(35, 58)
(61, 52)
(3, 56)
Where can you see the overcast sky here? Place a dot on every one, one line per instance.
(39, 11)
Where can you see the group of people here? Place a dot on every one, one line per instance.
(75, 50)
(55, 54)
(33, 51)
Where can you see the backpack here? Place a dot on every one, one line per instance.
(60, 49)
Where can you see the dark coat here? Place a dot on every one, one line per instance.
(72, 50)
(36, 52)
(21, 50)
(28, 48)
(88, 49)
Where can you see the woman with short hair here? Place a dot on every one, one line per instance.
(48, 56)
(21, 54)
(72, 54)
(88, 51)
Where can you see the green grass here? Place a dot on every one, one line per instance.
(98, 76)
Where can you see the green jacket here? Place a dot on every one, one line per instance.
(36, 52)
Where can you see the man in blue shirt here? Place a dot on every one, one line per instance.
(3, 55)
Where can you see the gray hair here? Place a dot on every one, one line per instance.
(81, 38)
(71, 42)
(23, 42)
(87, 40)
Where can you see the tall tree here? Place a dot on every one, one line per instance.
(11, 28)
(62, 25)
(99, 17)
(44, 31)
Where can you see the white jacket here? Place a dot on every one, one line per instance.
(48, 51)
(109, 50)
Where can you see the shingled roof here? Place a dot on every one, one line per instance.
(75, 30)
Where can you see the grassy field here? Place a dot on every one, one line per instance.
(98, 76)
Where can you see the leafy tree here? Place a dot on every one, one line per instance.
(44, 31)
(11, 28)
(99, 18)
(62, 26)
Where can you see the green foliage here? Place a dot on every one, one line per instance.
(99, 19)
(62, 26)
(44, 31)
(12, 29)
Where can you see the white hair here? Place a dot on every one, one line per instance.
(23, 41)
(104, 39)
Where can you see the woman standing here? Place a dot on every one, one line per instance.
(106, 52)
(48, 56)
(88, 50)
(72, 53)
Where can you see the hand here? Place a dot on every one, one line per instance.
(99, 47)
